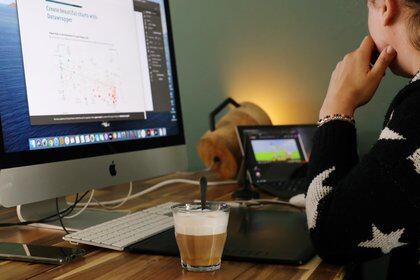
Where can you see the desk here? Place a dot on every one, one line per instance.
(106, 264)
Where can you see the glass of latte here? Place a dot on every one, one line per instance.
(201, 234)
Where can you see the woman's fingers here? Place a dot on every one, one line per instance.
(385, 59)
(366, 48)
(353, 83)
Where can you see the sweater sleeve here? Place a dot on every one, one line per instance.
(361, 210)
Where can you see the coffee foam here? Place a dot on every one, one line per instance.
(201, 223)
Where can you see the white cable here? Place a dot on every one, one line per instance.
(156, 187)
(192, 173)
(119, 205)
(92, 192)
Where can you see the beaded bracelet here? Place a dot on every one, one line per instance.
(336, 117)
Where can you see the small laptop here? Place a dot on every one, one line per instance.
(276, 157)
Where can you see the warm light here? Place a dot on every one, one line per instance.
(282, 93)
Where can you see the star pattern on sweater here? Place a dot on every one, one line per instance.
(415, 158)
(389, 134)
(383, 241)
(316, 192)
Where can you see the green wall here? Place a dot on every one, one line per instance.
(276, 53)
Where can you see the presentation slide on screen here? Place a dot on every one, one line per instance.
(84, 60)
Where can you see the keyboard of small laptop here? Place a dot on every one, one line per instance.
(285, 189)
(122, 232)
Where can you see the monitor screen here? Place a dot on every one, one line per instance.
(86, 78)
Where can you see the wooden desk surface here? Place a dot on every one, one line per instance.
(106, 264)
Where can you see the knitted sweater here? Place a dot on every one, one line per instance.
(361, 210)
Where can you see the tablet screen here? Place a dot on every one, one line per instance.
(276, 150)
(276, 153)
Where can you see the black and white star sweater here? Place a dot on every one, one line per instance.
(361, 210)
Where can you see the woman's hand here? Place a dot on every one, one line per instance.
(354, 82)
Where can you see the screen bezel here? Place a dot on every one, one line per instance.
(283, 167)
(27, 158)
(242, 128)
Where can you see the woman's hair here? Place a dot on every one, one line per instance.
(414, 22)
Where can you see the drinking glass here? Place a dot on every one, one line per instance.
(201, 234)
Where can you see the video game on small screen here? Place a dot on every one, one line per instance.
(276, 150)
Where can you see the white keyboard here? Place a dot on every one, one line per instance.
(122, 232)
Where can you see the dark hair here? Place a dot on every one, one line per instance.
(414, 22)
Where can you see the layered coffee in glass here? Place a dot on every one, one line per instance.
(201, 234)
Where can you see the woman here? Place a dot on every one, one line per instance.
(361, 210)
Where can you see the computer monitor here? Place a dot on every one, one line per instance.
(88, 97)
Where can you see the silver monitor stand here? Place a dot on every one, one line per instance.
(34, 188)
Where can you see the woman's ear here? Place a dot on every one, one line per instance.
(389, 11)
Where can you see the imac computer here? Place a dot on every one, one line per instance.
(88, 99)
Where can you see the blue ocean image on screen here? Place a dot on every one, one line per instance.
(13, 101)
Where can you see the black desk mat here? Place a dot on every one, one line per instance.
(255, 234)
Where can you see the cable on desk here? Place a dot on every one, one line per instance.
(51, 218)
(193, 173)
(156, 187)
(92, 192)
(116, 206)
(60, 218)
